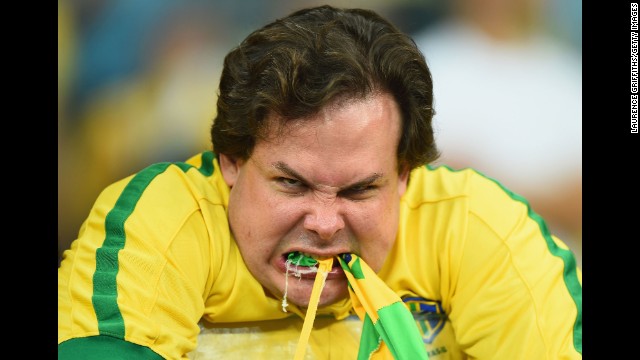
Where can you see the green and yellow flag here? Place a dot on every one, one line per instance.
(389, 329)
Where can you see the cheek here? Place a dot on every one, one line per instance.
(376, 231)
(246, 214)
(259, 216)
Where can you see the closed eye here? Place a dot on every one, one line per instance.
(289, 182)
(360, 192)
(290, 185)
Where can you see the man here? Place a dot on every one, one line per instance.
(320, 153)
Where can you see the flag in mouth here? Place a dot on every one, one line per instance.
(322, 270)
(388, 326)
(299, 264)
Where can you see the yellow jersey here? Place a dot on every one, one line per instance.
(155, 273)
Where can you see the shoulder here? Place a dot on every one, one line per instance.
(164, 197)
(197, 178)
(442, 183)
(469, 192)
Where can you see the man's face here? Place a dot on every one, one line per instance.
(328, 185)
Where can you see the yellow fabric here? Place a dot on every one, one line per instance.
(487, 263)
(369, 301)
(389, 329)
(463, 243)
(324, 266)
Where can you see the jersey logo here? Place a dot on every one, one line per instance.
(429, 316)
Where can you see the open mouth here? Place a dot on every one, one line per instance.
(304, 265)
(301, 259)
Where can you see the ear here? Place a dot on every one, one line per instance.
(403, 180)
(230, 168)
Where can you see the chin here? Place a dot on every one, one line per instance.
(334, 290)
(333, 298)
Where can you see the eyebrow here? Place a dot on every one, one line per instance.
(290, 172)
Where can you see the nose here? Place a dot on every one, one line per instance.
(324, 219)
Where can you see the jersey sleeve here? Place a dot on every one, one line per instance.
(134, 281)
(517, 291)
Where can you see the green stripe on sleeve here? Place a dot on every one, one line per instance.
(104, 347)
(105, 290)
(570, 275)
(206, 168)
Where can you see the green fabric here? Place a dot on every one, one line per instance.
(385, 317)
(297, 258)
(104, 348)
(392, 325)
(105, 289)
(369, 339)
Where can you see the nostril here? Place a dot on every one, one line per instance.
(324, 223)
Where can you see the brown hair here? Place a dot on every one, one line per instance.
(294, 66)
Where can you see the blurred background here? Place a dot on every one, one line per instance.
(137, 83)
